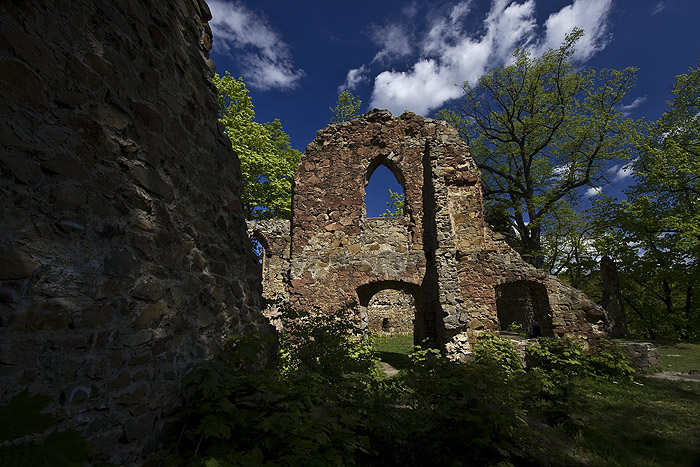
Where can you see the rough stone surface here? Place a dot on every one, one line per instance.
(123, 253)
(461, 275)
(642, 354)
(612, 297)
(273, 269)
(391, 311)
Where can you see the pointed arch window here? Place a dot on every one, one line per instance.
(384, 189)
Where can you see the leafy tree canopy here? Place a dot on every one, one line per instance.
(540, 130)
(655, 233)
(267, 159)
(394, 205)
(346, 108)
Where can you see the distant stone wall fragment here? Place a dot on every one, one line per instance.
(612, 298)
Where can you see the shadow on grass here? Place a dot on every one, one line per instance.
(397, 360)
(649, 425)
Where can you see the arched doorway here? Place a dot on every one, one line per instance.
(525, 304)
(391, 311)
(388, 306)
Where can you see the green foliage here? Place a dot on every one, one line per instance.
(320, 401)
(608, 360)
(540, 130)
(267, 159)
(654, 234)
(569, 250)
(394, 206)
(564, 360)
(346, 108)
(516, 328)
(48, 447)
(259, 418)
(459, 415)
(436, 412)
(323, 403)
(333, 346)
(493, 349)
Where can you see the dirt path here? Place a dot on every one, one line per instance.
(693, 375)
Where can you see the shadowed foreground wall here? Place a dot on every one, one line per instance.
(123, 253)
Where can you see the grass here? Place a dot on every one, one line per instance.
(395, 343)
(647, 423)
(394, 349)
(652, 423)
(679, 356)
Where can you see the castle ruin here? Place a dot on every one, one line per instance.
(440, 261)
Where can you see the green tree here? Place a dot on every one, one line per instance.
(346, 108)
(394, 206)
(267, 159)
(568, 248)
(655, 233)
(540, 130)
(668, 167)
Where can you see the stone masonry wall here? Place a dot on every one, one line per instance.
(335, 249)
(273, 235)
(391, 311)
(123, 253)
(440, 252)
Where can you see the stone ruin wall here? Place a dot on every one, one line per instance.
(123, 253)
(273, 268)
(391, 311)
(458, 272)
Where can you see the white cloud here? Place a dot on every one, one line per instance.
(589, 15)
(354, 77)
(394, 40)
(658, 8)
(594, 191)
(265, 57)
(627, 109)
(451, 56)
(621, 171)
(449, 53)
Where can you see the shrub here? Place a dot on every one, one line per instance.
(609, 361)
(565, 359)
(303, 410)
(501, 352)
(456, 414)
(29, 437)
(561, 358)
(331, 345)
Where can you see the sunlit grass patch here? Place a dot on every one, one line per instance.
(679, 356)
(394, 349)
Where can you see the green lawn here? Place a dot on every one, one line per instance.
(652, 423)
(394, 349)
(646, 423)
(679, 356)
(396, 343)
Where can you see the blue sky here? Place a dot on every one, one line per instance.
(412, 55)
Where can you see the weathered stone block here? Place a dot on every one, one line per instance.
(16, 264)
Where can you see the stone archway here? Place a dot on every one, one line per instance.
(389, 306)
(391, 311)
